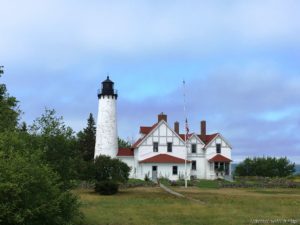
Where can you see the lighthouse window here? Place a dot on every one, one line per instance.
(155, 146)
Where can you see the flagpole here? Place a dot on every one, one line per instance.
(185, 141)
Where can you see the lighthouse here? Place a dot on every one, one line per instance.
(107, 133)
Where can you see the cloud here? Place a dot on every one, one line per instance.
(239, 59)
(61, 32)
(258, 114)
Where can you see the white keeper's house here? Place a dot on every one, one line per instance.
(161, 150)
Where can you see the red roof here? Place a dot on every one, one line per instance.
(219, 158)
(146, 130)
(208, 138)
(125, 152)
(183, 136)
(163, 158)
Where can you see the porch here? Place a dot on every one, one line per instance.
(220, 167)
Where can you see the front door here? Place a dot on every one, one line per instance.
(154, 173)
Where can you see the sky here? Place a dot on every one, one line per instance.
(240, 61)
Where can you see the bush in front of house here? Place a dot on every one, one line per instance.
(108, 187)
(109, 173)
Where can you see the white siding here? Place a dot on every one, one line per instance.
(211, 151)
(164, 170)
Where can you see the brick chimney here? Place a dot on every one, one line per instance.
(162, 116)
(176, 127)
(203, 130)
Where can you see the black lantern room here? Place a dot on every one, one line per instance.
(108, 89)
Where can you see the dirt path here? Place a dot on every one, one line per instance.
(178, 194)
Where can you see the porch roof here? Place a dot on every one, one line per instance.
(164, 158)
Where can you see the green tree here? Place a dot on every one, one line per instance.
(9, 110)
(123, 144)
(265, 167)
(87, 139)
(23, 127)
(31, 194)
(58, 144)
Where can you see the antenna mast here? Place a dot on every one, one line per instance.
(186, 132)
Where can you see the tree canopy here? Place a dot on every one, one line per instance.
(87, 139)
(123, 144)
(265, 167)
(58, 144)
(30, 193)
(35, 168)
(9, 110)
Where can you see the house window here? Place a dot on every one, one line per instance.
(194, 148)
(175, 170)
(218, 147)
(155, 146)
(169, 147)
(194, 165)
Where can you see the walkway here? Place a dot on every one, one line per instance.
(171, 191)
(178, 194)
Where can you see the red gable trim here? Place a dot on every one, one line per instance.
(137, 142)
(219, 158)
(125, 152)
(164, 158)
(145, 131)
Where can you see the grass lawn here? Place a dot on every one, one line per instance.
(151, 205)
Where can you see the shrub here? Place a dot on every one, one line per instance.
(108, 187)
(261, 182)
(147, 177)
(131, 183)
(109, 173)
(107, 169)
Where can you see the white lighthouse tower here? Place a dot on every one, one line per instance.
(107, 134)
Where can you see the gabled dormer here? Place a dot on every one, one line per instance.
(159, 134)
